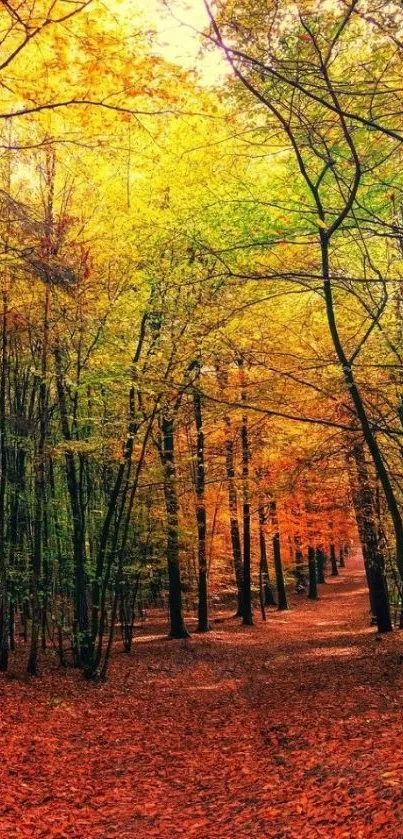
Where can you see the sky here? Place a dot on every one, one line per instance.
(178, 37)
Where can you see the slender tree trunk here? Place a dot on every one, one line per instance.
(128, 595)
(233, 513)
(278, 565)
(333, 561)
(4, 362)
(261, 591)
(20, 459)
(45, 574)
(269, 599)
(247, 618)
(299, 565)
(122, 526)
(177, 625)
(320, 565)
(359, 406)
(39, 493)
(83, 640)
(203, 621)
(358, 475)
(313, 589)
(4, 592)
(105, 664)
(118, 490)
(366, 524)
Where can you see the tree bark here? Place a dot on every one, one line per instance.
(278, 565)
(247, 617)
(333, 561)
(359, 407)
(268, 598)
(203, 621)
(83, 640)
(233, 514)
(177, 624)
(4, 592)
(313, 589)
(39, 493)
(366, 523)
(320, 565)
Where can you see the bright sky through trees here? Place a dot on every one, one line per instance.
(178, 25)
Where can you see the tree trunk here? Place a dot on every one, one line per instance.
(366, 523)
(313, 590)
(203, 622)
(261, 591)
(359, 406)
(177, 625)
(268, 599)
(83, 640)
(299, 565)
(333, 561)
(320, 565)
(39, 494)
(233, 514)
(278, 565)
(15, 529)
(4, 593)
(247, 618)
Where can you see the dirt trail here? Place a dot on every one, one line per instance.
(288, 729)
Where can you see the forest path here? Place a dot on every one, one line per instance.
(289, 729)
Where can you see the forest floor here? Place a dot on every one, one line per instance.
(289, 729)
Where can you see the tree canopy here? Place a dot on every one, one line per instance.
(201, 315)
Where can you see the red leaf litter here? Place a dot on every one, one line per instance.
(287, 730)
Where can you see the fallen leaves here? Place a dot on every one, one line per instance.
(233, 734)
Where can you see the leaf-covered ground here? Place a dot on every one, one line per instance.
(289, 729)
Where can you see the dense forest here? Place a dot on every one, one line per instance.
(201, 350)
